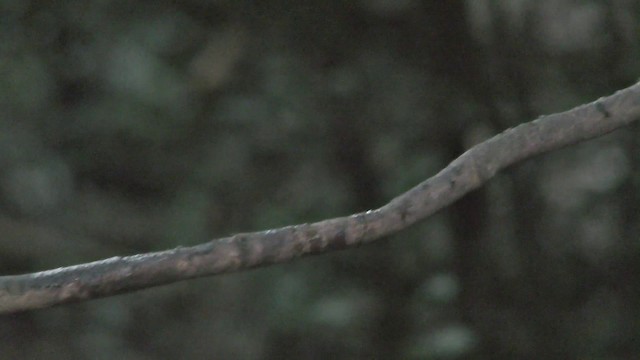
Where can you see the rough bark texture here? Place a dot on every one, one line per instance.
(244, 251)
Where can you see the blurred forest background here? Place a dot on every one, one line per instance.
(135, 126)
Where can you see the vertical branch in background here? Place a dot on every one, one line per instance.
(625, 269)
(351, 145)
(620, 46)
(617, 53)
(515, 49)
(457, 58)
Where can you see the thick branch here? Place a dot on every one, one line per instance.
(244, 251)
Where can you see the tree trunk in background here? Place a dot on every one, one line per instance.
(377, 272)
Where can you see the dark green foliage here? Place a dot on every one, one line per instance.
(128, 127)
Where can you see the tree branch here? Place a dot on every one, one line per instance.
(249, 250)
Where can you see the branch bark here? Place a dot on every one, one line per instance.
(249, 250)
